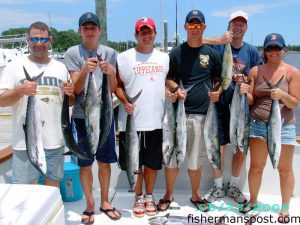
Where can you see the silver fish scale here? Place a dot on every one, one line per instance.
(181, 133)
(34, 136)
(243, 125)
(169, 132)
(227, 65)
(106, 111)
(274, 133)
(68, 133)
(132, 151)
(211, 136)
(234, 115)
(92, 112)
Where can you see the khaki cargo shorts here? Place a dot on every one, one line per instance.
(196, 151)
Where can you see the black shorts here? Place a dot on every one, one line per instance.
(150, 149)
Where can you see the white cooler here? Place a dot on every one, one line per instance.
(25, 204)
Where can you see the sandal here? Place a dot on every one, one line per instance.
(247, 207)
(113, 210)
(87, 217)
(284, 218)
(201, 205)
(165, 202)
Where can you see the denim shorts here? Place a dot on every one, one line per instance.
(23, 172)
(259, 129)
(105, 154)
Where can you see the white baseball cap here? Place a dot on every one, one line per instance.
(238, 14)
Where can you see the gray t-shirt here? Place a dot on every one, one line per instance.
(75, 58)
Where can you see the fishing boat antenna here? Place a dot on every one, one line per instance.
(48, 12)
(176, 35)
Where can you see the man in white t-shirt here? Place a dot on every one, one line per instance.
(143, 68)
(48, 92)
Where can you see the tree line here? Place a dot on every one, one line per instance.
(62, 40)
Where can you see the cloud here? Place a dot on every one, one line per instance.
(19, 18)
(255, 8)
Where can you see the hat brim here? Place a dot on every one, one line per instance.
(242, 17)
(195, 17)
(274, 43)
(145, 25)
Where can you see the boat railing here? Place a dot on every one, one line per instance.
(6, 39)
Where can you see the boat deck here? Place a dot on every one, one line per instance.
(123, 200)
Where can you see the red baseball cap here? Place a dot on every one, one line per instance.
(145, 21)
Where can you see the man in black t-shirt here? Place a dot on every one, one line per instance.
(193, 62)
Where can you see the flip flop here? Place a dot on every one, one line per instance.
(283, 218)
(246, 208)
(113, 210)
(201, 205)
(164, 202)
(87, 219)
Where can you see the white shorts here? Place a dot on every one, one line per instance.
(196, 151)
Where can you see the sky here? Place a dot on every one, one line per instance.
(265, 16)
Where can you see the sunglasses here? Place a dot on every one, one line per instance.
(36, 39)
(195, 25)
(275, 48)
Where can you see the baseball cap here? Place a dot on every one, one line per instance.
(145, 21)
(195, 14)
(274, 39)
(89, 17)
(238, 14)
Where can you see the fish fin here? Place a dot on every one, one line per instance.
(243, 71)
(276, 85)
(24, 127)
(172, 90)
(185, 89)
(36, 78)
(217, 86)
(270, 85)
(68, 153)
(99, 57)
(28, 77)
(249, 82)
(208, 87)
(189, 88)
(133, 99)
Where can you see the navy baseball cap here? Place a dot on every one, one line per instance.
(274, 39)
(89, 17)
(195, 14)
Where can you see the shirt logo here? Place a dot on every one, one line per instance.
(204, 60)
